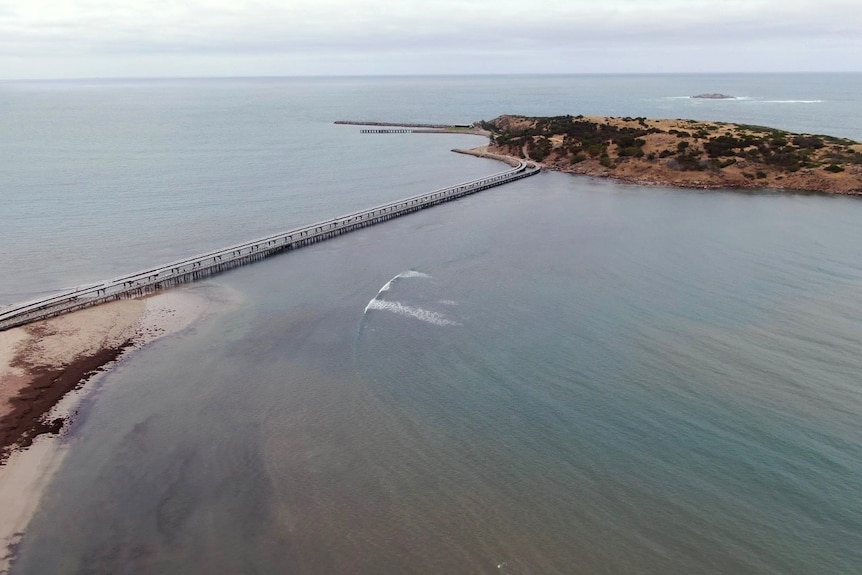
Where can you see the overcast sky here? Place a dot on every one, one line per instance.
(166, 38)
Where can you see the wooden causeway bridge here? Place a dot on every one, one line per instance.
(204, 265)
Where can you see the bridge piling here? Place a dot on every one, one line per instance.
(205, 265)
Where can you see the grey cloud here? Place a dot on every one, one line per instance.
(474, 29)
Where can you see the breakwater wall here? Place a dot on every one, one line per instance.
(204, 265)
(402, 125)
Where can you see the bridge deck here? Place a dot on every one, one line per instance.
(203, 265)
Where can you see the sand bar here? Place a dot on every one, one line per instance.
(40, 364)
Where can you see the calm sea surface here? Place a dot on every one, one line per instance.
(560, 375)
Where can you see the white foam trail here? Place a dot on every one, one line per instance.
(412, 274)
(408, 311)
(447, 302)
(792, 101)
(386, 286)
(408, 274)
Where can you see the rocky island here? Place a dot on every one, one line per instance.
(714, 96)
(683, 153)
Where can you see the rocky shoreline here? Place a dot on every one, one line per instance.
(682, 153)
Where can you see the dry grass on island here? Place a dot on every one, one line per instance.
(683, 153)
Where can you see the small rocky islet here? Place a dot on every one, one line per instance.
(714, 96)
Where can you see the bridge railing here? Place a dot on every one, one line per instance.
(202, 265)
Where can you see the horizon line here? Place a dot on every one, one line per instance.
(429, 75)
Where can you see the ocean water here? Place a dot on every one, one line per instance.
(560, 375)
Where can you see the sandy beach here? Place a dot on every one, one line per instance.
(40, 364)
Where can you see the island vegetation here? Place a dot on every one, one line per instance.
(686, 153)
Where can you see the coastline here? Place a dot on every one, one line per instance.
(680, 153)
(45, 368)
(482, 152)
(646, 180)
(47, 359)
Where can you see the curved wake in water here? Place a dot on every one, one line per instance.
(408, 311)
(388, 285)
(399, 308)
